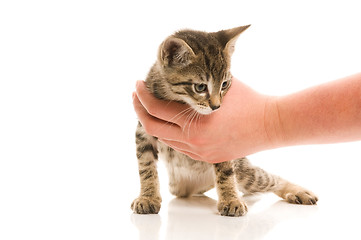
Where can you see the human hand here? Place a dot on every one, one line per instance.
(235, 130)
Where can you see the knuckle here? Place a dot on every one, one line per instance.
(152, 111)
(197, 141)
(148, 128)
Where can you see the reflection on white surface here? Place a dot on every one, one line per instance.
(148, 225)
(197, 218)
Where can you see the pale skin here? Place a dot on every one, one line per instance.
(248, 122)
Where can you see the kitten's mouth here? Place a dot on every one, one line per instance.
(203, 110)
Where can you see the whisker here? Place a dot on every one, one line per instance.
(190, 123)
(198, 120)
(180, 114)
(177, 116)
(187, 121)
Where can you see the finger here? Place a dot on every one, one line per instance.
(186, 149)
(176, 145)
(169, 111)
(154, 126)
(192, 155)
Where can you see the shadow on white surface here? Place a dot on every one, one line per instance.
(197, 218)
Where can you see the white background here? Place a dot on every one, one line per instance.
(67, 155)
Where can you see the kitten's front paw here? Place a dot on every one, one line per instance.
(301, 197)
(234, 208)
(143, 205)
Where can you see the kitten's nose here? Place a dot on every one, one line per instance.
(214, 107)
(214, 102)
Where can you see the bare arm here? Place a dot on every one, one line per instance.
(327, 113)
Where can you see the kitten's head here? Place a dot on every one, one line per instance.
(196, 67)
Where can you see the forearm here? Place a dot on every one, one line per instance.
(327, 113)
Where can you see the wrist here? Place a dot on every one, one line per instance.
(272, 123)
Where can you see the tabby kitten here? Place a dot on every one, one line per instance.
(193, 67)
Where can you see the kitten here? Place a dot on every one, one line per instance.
(193, 67)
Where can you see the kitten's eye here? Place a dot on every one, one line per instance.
(225, 85)
(200, 87)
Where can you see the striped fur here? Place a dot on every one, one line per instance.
(190, 60)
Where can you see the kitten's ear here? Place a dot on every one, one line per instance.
(175, 52)
(229, 37)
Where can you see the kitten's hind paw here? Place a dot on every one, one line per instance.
(296, 194)
(233, 208)
(302, 197)
(143, 205)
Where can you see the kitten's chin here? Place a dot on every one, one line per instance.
(203, 111)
